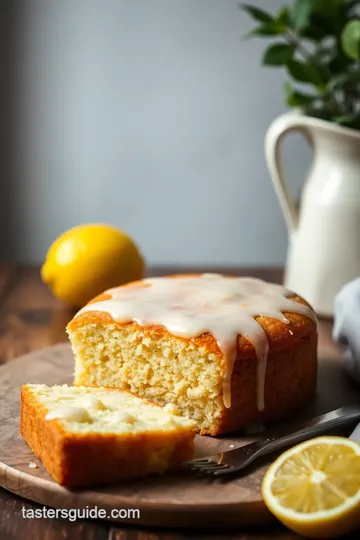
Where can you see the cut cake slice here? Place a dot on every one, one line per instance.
(91, 436)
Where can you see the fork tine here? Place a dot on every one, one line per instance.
(209, 473)
(226, 471)
(215, 466)
(199, 460)
(200, 463)
(198, 467)
(213, 470)
(209, 468)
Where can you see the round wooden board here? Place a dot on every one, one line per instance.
(168, 501)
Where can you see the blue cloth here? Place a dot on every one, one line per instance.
(346, 331)
(347, 326)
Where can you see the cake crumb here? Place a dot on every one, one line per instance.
(232, 446)
(32, 465)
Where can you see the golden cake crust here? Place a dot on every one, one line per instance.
(76, 459)
(280, 336)
(291, 377)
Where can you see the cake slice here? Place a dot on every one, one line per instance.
(226, 351)
(92, 436)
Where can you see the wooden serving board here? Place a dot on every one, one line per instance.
(168, 501)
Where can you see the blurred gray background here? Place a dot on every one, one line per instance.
(147, 114)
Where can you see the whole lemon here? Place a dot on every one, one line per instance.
(87, 259)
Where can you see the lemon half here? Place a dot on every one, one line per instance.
(314, 488)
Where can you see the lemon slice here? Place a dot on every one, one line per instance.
(314, 488)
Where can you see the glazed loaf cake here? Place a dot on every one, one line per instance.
(91, 436)
(226, 351)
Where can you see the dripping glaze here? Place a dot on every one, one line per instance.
(189, 306)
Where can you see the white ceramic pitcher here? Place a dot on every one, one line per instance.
(324, 251)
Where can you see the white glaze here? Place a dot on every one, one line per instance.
(210, 303)
(123, 416)
(91, 402)
(69, 413)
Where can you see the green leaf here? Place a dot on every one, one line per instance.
(294, 98)
(349, 120)
(278, 54)
(283, 17)
(345, 80)
(257, 13)
(339, 64)
(351, 4)
(304, 72)
(267, 29)
(300, 13)
(320, 112)
(324, 22)
(350, 39)
(327, 7)
(325, 18)
(313, 32)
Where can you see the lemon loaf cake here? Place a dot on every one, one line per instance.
(92, 436)
(226, 351)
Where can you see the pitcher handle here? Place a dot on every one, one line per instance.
(283, 125)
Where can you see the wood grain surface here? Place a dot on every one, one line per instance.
(31, 319)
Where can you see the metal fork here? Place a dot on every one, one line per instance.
(275, 439)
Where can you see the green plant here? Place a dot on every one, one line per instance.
(318, 43)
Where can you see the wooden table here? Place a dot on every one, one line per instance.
(32, 318)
